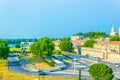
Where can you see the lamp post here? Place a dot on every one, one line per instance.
(79, 77)
(74, 65)
(79, 50)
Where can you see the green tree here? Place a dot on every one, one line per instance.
(101, 71)
(17, 46)
(89, 43)
(43, 48)
(66, 45)
(95, 34)
(4, 49)
(115, 38)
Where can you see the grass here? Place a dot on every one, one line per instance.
(33, 60)
(15, 49)
(68, 59)
(18, 49)
(42, 65)
(7, 75)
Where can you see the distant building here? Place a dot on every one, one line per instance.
(28, 43)
(112, 33)
(78, 42)
(73, 38)
(102, 39)
(57, 43)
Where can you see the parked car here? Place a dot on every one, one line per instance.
(117, 64)
(41, 72)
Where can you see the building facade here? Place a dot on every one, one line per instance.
(57, 43)
(73, 38)
(106, 50)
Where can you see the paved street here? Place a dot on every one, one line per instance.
(68, 69)
(115, 68)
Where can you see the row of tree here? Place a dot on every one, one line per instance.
(44, 47)
(93, 34)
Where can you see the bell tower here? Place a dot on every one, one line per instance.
(112, 32)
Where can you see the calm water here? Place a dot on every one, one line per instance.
(13, 45)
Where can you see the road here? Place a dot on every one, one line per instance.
(114, 68)
(87, 62)
(16, 65)
(66, 70)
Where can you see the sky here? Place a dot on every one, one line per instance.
(57, 18)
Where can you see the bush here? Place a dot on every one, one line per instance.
(50, 62)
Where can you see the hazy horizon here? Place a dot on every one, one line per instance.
(56, 18)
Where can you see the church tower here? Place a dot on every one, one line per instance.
(112, 32)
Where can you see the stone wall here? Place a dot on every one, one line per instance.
(95, 52)
(114, 57)
(92, 52)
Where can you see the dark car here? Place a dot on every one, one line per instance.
(41, 72)
(117, 64)
(117, 79)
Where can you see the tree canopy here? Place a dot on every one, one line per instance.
(115, 38)
(89, 43)
(4, 49)
(66, 45)
(93, 34)
(101, 72)
(17, 46)
(43, 48)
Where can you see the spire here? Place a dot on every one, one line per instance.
(112, 31)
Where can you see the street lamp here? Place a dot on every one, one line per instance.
(79, 77)
(74, 63)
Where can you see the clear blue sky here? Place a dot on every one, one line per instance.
(56, 18)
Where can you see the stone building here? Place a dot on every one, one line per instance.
(57, 43)
(73, 38)
(106, 50)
